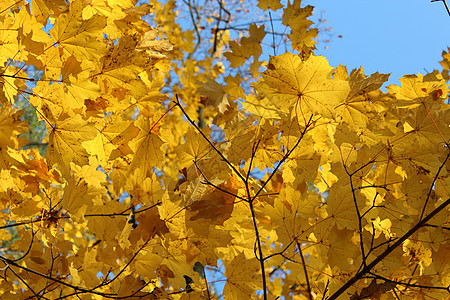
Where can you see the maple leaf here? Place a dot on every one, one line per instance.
(112, 141)
(296, 18)
(374, 290)
(269, 4)
(341, 208)
(77, 198)
(416, 253)
(242, 277)
(131, 285)
(302, 87)
(65, 142)
(249, 46)
(6, 181)
(79, 89)
(417, 90)
(340, 249)
(79, 37)
(215, 205)
(118, 71)
(9, 37)
(215, 95)
(361, 102)
(133, 199)
(445, 63)
(289, 215)
(195, 148)
(147, 148)
(155, 48)
(261, 107)
(11, 126)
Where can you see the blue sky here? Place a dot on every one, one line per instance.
(397, 36)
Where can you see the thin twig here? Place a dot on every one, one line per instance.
(408, 284)
(445, 4)
(261, 258)
(273, 35)
(299, 247)
(358, 213)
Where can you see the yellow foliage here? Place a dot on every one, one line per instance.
(169, 173)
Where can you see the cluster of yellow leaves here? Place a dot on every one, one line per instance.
(130, 200)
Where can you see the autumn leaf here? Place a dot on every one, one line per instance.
(215, 95)
(65, 142)
(79, 37)
(76, 198)
(10, 126)
(249, 46)
(361, 102)
(147, 148)
(302, 87)
(261, 107)
(242, 278)
(420, 90)
(300, 181)
(266, 4)
(112, 141)
(296, 18)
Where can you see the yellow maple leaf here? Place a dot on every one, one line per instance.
(195, 148)
(48, 101)
(11, 126)
(6, 181)
(118, 71)
(341, 207)
(243, 277)
(261, 107)
(297, 19)
(445, 63)
(113, 11)
(302, 86)
(10, 84)
(378, 226)
(43, 9)
(77, 197)
(155, 48)
(215, 95)
(131, 285)
(416, 253)
(269, 4)
(79, 89)
(9, 37)
(65, 142)
(214, 205)
(341, 250)
(361, 103)
(289, 214)
(249, 46)
(233, 87)
(78, 37)
(112, 141)
(147, 148)
(417, 90)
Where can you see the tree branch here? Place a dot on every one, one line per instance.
(386, 252)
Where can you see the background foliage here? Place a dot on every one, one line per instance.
(162, 162)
